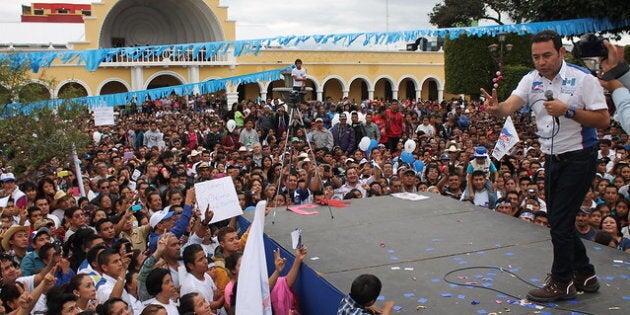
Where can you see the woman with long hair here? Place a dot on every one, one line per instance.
(82, 286)
(611, 225)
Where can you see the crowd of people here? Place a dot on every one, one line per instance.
(136, 244)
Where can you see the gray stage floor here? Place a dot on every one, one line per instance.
(411, 245)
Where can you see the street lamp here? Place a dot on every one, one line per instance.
(500, 50)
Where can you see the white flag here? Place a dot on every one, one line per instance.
(252, 295)
(507, 139)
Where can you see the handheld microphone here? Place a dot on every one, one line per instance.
(549, 97)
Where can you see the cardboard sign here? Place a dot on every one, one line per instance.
(220, 194)
(104, 116)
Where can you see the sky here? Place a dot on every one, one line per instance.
(270, 18)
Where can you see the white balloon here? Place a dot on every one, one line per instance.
(410, 146)
(364, 144)
(335, 119)
(361, 117)
(231, 125)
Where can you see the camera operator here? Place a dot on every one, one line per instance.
(616, 79)
(299, 76)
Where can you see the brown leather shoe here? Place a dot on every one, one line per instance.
(553, 290)
(586, 282)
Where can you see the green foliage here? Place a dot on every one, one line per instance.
(29, 141)
(511, 76)
(470, 66)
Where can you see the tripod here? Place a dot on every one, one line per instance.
(293, 99)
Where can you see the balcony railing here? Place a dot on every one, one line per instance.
(170, 58)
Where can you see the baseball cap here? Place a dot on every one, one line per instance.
(319, 119)
(160, 216)
(40, 231)
(480, 153)
(7, 177)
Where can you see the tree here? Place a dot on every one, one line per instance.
(469, 66)
(32, 134)
(465, 12)
(467, 63)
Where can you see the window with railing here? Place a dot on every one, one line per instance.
(167, 56)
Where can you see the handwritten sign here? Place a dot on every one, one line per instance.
(104, 116)
(220, 194)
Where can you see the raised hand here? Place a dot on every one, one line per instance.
(492, 101)
(278, 261)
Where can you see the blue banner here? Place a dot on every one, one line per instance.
(91, 59)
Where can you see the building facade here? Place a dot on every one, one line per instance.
(358, 75)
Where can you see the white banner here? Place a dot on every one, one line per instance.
(104, 116)
(220, 194)
(252, 296)
(507, 139)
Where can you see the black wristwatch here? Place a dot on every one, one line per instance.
(570, 112)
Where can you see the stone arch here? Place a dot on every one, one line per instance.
(79, 86)
(166, 78)
(113, 86)
(40, 89)
(358, 89)
(274, 84)
(333, 86)
(145, 23)
(431, 86)
(312, 83)
(383, 87)
(249, 91)
(407, 87)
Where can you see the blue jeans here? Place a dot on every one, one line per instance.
(568, 179)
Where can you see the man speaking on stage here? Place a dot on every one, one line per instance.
(569, 106)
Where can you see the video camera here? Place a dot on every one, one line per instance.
(590, 46)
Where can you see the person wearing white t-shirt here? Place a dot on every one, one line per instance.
(299, 76)
(160, 285)
(194, 277)
(114, 269)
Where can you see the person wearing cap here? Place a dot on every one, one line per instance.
(320, 136)
(480, 162)
(409, 181)
(32, 263)
(160, 221)
(9, 188)
(582, 225)
(343, 134)
(571, 117)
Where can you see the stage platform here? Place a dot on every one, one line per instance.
(412, 245)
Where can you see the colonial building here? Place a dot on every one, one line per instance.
(340, 73)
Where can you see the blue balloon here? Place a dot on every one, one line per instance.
(373, 144)
(418, 165)
(406, 157)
